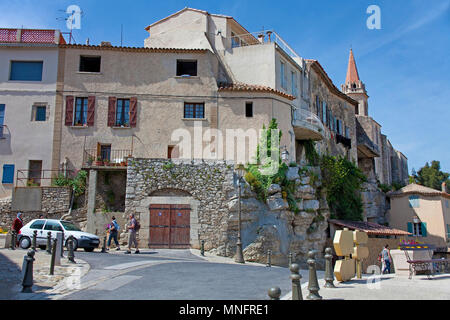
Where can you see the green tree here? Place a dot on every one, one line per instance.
(432, 176)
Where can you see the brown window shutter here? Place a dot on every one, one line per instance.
(91, 111)
(133, 112)
(112, 111)
(69, 110)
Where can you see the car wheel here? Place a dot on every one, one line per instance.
(25, 242)
(75, 244)
(88, 249)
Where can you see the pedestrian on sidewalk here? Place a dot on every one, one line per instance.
(133, 227)
(386, 258)
(113, 232)
(17, 224)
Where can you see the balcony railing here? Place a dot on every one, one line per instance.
(36, 178)
(262, 37)
(105, 158)
(308, 126)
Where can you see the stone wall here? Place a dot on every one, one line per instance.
(208, 187)
(55, 203)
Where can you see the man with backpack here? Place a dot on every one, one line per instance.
(133, 227)
(113, 232)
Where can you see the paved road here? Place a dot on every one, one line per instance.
(175, 274)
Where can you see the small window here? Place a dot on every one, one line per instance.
(283, 75)
(8, 174)
(26, 71)
(39, 224)
(249, 109)
(294, 83)
(53, 226)
(123, 113)
(347, 132)
(90, 64)
(40, 113)
(81, 109)
(235, 41)
(187, 68)
(324, 112)
(105, 152)
(413, 201)
(2, 119)
(194, 110)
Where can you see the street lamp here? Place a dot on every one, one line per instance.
(239, 258)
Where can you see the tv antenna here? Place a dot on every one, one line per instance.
(69, 17)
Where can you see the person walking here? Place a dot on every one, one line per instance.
(17, 224)
(133, 227)
(386, 258)
(113, 233)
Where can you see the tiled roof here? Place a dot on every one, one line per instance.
(370, 227)
(417, 189)
(352, 71)
(131, 49)
(249, 87)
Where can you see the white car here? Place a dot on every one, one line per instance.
(84, 240)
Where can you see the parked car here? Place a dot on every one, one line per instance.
(82, 239)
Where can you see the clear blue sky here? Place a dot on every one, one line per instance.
(405, 65)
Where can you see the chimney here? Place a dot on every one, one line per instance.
(261, 37)
(87, 41)
(106, 44)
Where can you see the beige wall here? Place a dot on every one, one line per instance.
(429, 211)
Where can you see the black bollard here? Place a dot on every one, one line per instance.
(70, 255)
(329, 275)
(202, 251)
(49, 242)
(313, 285)
(27, 272)
(296, 285)
(33, 243)
(269, 258)
(104, 245)
(52, 260)
(274, 293)
(13, 241)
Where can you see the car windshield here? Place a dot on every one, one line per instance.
(69, 226)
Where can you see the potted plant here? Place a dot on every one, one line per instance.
(123, 163)
(99, 162)
(90, 160)
(106, 162)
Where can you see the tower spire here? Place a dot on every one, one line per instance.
(352, 71)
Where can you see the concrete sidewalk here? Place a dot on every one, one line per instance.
(45, 286)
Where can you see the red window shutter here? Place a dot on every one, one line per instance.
(91, 111)
(69, 110)
(112, 111)
(133, 112)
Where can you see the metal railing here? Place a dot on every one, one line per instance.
(105, 157)
(307, 119)
(35, 178)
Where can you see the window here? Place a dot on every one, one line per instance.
(294, 83)
(123, 113)
(39, 224)
(235, 42)
(40, 113)
(2, 119)
(26, 71)
(249, 109)
(53, 226)
(324, 112)
(283, 74)
(90, 64)
(339, 126)
(194, 110)
(347, 132)
(317, 105)
(186, 68)
(8, 174)
(413, 201)
(417, 229)
(105, 152)
(81, 109)
(448, 232)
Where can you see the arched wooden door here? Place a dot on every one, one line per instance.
(170, 226)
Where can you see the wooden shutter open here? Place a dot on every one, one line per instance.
(91, 111)
(112, 111)
(133, 112)
(69, 110)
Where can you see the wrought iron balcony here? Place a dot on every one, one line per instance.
(106, 158)
(308, 126)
